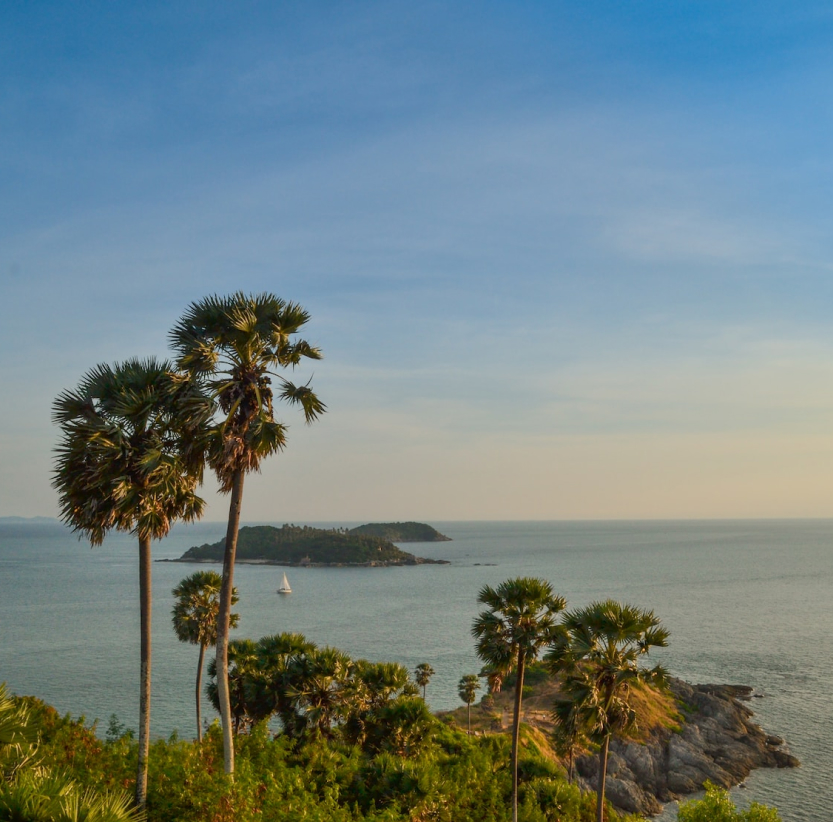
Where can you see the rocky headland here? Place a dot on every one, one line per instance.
(717, 740)
(695, 733)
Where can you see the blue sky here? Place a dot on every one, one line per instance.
(564, 260)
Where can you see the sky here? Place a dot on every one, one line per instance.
(564, 260)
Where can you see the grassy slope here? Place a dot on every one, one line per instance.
(654, 710)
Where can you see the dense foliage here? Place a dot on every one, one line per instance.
(291, 544)
(718, 807)
(453, 778)
(401, 532)
(34, 787)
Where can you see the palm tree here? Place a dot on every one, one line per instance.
(467, 689)
(268, 692)
(422, 676)
(519, 622)
(320, 688)
(233, 345)
(195, 618)
(130, 458)
(244, 675)
(569, 732)
(372, 688)
(599, 655)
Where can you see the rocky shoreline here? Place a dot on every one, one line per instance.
(718, 741)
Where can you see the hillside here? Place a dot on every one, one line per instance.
(401, 532)
(304, 545)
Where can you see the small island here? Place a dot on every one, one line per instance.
(401, 532)
(308, 547)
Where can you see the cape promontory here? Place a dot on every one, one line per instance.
(306, 546)
(401, 532)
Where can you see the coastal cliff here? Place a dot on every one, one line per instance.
(717, 741)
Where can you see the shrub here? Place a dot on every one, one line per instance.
(716, 806)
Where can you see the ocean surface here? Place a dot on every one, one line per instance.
(747, 602)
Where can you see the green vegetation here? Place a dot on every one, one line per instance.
(447, 777)
(36, 788)
(597, 655)
(232, 346)
(55, 769)
(194, 618)
(131, 458)
(718, 807)
(401, 532)
(294, 545)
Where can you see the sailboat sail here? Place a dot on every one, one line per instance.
(284, 589)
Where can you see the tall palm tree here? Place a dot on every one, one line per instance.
(194, 617)
(235, 345)
(519, 622)
(422, 676)
(130, 458)
(600, 655)
(467, 689)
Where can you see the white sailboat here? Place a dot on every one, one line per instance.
(284, 589)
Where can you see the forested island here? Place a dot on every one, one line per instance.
(401, 532)
(304, 545)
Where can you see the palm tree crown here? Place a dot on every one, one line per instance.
(520, 619)
(130, 456)
(235, 344)
(196, 604)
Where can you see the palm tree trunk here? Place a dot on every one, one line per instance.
(144, 676)
(223, 620)
(516, 732)
(199, 688)
(600, 793)
(468, 712)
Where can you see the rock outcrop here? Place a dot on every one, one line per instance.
(718, 741)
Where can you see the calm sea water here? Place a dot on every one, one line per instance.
(746, 602)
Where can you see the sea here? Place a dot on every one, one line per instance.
(746, 602)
